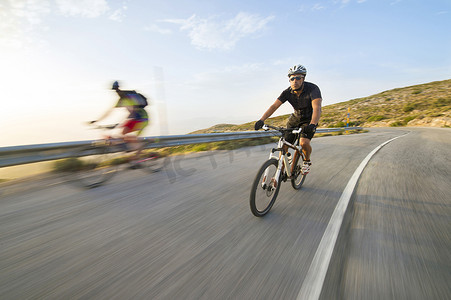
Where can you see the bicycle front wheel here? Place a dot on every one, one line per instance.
(265, 188)
(97, 164)
(298, 177)
(151, 162)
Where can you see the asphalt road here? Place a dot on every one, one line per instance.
(188, 233)
(399, 241)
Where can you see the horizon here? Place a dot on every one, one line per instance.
(273, 116)
(203, 63)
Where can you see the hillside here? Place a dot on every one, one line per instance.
(426, 104)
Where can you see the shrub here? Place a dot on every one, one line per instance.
(376, 118)
(201, 147)
(117, 161)
(337, 125)
(397, 124)
(68, 164)
(409, 118)
(435, 114)
(326, 120)
(409, 107)
(353, 124)
(441, 102)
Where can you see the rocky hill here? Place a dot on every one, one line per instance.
(426, 104)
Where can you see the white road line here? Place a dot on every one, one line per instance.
(313, 282)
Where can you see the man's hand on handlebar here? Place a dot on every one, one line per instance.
(310, 128)
(259, 124)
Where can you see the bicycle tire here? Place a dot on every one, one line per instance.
(97, 164)
(264, 187)
(297, 177)
(151, 162)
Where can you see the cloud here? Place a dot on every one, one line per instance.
(21, 21)
(18, 18)
(216, 34)
(156, 28)
(84, 8)
(342, 2)
(317, 6)
(346, 2)
(321, 6)
(395, 2)
(118, 15)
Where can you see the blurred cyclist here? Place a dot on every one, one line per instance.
(305, 97)
(137, 119)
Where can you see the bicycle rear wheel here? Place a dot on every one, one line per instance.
(265, 188)
(97, 164)
(297, 178)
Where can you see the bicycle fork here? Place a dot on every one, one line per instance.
(282, 160)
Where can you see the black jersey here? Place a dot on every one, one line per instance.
(303, 104)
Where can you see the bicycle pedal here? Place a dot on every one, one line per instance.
(284, 177)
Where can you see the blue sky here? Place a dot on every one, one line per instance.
(204, 62)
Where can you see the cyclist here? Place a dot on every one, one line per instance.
(305, 97)
(137, 119)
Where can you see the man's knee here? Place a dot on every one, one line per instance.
(304, 142)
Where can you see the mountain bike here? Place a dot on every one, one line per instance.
(97, 163)
(277, 169)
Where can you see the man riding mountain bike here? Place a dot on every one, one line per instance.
(137, 119)
(305, 97)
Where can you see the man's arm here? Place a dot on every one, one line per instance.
(106, 114)
(271, 110)
(316, 105)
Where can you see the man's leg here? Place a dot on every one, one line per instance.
(133, 137)
(306, 148)
(130, 137)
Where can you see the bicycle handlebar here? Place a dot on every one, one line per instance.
(282, 129)
(111, 126)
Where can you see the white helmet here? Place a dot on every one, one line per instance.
(297, 69)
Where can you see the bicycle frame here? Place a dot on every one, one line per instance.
(108, 139)
(283, 159)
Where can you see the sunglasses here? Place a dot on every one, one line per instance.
(296, 78)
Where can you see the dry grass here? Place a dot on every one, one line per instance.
(419, 105)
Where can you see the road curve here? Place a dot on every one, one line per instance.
(398, 243)
(187, 233)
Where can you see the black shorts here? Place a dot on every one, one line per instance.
(295, 121)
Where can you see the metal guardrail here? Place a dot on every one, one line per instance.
(19, 155)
